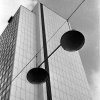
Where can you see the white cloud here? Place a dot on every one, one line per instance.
(8, 8)
(95, 87)
(28, 3)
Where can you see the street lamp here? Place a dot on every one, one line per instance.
(71, 40)
(37, 75)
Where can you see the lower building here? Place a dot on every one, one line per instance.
(29, 38)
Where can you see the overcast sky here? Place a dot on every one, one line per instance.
(86, 20)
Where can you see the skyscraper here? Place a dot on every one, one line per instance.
(26, 42)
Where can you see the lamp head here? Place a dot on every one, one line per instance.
(72, 40)
(37, 75)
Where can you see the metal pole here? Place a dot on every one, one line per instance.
(49, 55)
(48, 85)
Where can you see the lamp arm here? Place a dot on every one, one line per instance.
(49, 55)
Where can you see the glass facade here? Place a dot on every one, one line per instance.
(7, 52)
(67, 76)
(21, 89)
(20, 42)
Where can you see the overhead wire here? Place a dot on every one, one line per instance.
(32, 58)
(39, 51)
(70, 14)
(75, 10)
(47, 42)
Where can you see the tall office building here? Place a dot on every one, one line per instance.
(39, 32)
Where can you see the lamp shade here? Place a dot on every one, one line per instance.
(72, 40)
(37, 75)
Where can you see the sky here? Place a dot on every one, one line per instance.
(85, 19)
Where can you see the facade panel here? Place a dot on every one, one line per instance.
(25, 49)
(7, 53)
(67, 76)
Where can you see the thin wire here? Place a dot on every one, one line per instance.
(49, 56)
(55, 34)
(42, 47)
(62, 17)
(20, 72)
(32, 58)
(56, 31)
(70, 14)
(52, 35)
(51, 9)
(75, 10)
(39, 50)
